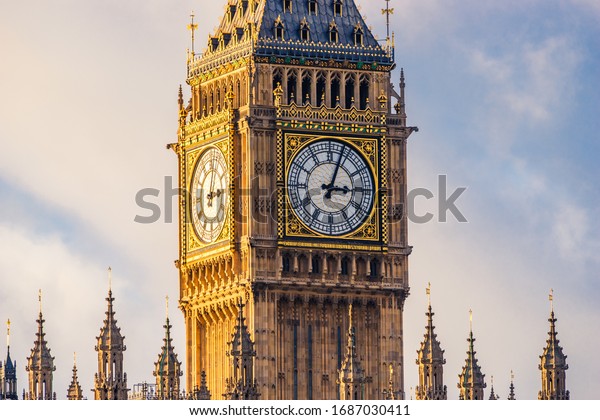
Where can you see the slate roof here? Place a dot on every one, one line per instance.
(262, 14)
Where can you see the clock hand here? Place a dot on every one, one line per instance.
(211, 195)
(335, 172)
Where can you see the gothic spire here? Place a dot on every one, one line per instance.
(110, 381)
(352, 378)
(40, 365)
(242, 385)
(493, 395)
(471, 380)
(511, 394)
(202, 393)
(74, 392)
(553, 364)
(8, 372)
(167, 369)
(431, 362)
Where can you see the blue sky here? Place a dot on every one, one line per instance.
(505, 94)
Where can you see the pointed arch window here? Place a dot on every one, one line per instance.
(287, 6)
(334, 35)
(337, 7)
(358, 36)
(304, 30)
(313, 7)
(279, 29)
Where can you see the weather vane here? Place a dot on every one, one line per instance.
(192, 27)
(387, 12)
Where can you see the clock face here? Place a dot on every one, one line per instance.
(330, 187)
(210, 195)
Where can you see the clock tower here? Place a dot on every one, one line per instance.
(292, 162)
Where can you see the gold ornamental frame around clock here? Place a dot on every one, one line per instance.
(192, 157)
(293, 226)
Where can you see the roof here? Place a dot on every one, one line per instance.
(248, 26)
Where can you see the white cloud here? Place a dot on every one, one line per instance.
(532, 81)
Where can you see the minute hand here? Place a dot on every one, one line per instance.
(335, 172)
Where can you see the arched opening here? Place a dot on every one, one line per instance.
(349, 91)
(364, 91)
(335, 90)
(331, 265)
(316, 264)
(345, 269)
(286, 264)
(337, 7)
(277, 78)
(374, 268)
(321, 88)
(291, 87)
(306, 88)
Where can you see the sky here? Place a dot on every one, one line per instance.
(505, 95)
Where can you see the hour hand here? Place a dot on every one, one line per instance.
(344, 191)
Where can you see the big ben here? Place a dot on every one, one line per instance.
(293, 257)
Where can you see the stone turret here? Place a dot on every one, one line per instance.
(242, 385)
(471, 381)
(8, 372)
(167, 369)
(553, 364)
(74, 392)
(431, 362)
(110, 382)
(40, 365)
(351, 376)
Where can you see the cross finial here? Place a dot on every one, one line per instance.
(551, 299)
(167, 300)
(40, 299)
(512, 375)
(74, 358)
(471, 319)
(192, 27)
(8, 333)
(428, 291)
(109, 279)
(387, 12)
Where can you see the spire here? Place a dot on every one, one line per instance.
(511, 395)
(8, 372)
(471, 380)
(242, 385)
(553, 363)
(167, 369)
(430, 358)
(74, 392)
(110, 381)
(493, 395)
(202, 393)
(352, 378)
(40, 365)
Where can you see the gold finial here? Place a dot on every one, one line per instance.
(387, 11)
(74, 358)
(192, 27)
(8, 333)
(428, 291)
(512, 375)
(40, 299)
(167, 300)
(551, 298)
(109, 279)
(471, 319)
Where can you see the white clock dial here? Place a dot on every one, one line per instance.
(210, 194)
(330, 187)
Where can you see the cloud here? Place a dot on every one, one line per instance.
(532, 81)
